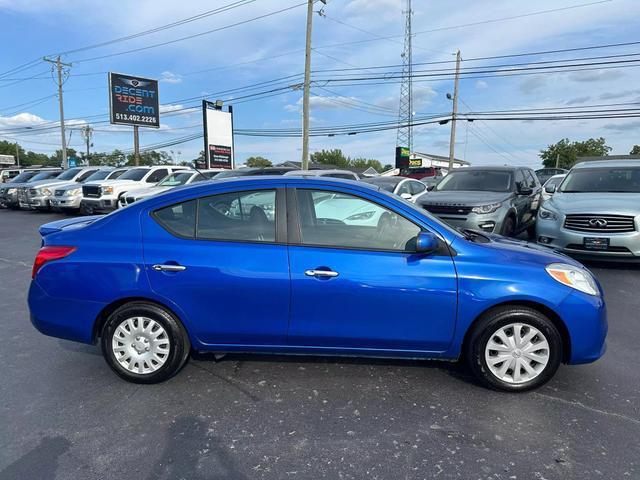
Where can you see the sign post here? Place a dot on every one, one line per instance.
(219, 149)
(134, 101)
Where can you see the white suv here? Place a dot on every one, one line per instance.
(103, 196)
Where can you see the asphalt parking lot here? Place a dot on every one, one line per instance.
(65, 415)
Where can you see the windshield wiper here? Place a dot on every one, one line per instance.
(471, 234)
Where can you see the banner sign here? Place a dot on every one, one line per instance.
(218, 136)
(134, 100)
(415, 162)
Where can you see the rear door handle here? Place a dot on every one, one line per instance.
(168, 268)
(320, 273)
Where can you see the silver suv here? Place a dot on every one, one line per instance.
(595, 212)
(500, 199)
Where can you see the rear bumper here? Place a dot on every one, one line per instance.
(61, 317)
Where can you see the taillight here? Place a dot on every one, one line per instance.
(48, 254)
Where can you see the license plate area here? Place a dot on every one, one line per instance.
(596, 243)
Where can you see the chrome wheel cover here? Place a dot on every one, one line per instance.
(517, 353)
(140, 345)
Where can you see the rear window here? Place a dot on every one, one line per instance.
(179, 219)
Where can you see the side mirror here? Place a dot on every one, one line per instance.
(406, 196)
(426, 242)
(550, 188)
(430, 187)
(524, 190)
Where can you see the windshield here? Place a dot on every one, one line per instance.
(23, 177)
(134, 174)
(477, 180)
(115, 174)
(176, 179)
(232, 173)
(99, 175)
(615, 179)
(69, 174)
(45, 175)
(554, 182)
(383, 184)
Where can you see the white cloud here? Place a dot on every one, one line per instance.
(170, 77)
(481, 85)
(21, 120)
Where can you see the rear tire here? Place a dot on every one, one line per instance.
(144, 343)
(514, 349)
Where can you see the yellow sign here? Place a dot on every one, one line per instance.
(404, 152)
(415, 162)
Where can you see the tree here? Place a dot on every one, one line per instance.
(365, 163)
(258, 162)
(635, 150)
(565, 153)
(151, 157)
(330, 157)
(8, 148)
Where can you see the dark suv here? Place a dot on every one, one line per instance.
(499, 199)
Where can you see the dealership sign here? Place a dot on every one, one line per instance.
(134, 100)
(218, 136)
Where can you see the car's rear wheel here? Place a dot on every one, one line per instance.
(514, 348)
(144, 343)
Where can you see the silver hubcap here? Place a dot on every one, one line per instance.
(140, 345)
(517, 353)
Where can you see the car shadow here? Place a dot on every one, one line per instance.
(40, 462)
(457, 370)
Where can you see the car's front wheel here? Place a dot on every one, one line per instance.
(144, 343)
(514, 348)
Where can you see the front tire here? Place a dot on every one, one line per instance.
(514, 349)
(509, 226)
(144, 343)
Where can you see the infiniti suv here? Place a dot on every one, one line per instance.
(595, 212)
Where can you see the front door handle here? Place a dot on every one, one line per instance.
(320, 273)
(168, 268)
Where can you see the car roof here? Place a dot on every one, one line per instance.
(506, 168)
(394, 180)
(317, 173)
(607, 164)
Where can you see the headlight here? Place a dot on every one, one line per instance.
(361, 216)
(492, 207)
(545, 214)
(11, 191)
(45, 191)
(573, 277)
(107, 190)
(75, 191)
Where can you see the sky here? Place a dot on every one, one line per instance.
(346, 34)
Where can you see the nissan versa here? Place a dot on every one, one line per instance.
(256, 264)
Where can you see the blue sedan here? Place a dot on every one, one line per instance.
(270, 265)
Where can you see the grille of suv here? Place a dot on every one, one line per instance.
(91, 191)
(441, 209)
(600, 223)
(59, 193)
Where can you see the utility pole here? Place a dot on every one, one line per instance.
(87, 133)
(59, 65)
(557, 159)
(307, 87)
(17, 155)
(452, 141)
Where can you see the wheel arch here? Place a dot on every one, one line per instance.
(113, 306)
(545, 310)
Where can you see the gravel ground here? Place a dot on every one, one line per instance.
(65, 415)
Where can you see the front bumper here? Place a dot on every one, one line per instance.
(71, 202)
(102, 204)
(585, 317)
(38, 202)
(621, 245)
(9, 199)
(486, 222)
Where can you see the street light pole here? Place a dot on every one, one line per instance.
(452, 141)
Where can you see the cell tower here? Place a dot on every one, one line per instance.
(405, 115)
